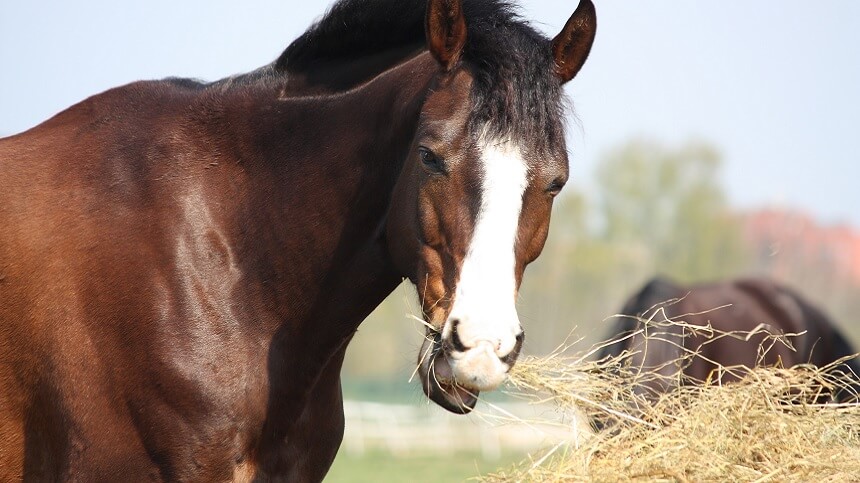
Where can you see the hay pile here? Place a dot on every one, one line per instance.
(775, 424)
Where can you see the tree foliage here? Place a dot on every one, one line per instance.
(670, 201)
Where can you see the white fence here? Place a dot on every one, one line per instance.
(411, 429)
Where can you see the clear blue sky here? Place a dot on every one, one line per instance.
(775, 84)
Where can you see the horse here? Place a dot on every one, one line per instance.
(182, 264)
(745, 315)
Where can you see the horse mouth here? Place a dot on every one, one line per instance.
(437, 378)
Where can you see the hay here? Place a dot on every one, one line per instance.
(774, 424)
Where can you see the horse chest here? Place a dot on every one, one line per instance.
(226, 434)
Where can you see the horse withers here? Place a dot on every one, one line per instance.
(183, 264)
(745, 314)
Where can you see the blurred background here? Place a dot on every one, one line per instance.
(707, 141)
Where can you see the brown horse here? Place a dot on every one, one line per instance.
(754, 309)
(182, 265)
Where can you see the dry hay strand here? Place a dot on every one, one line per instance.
(773, 424)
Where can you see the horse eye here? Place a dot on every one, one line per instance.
(430, 161)
(555, 187)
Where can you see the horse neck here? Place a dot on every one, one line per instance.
(319, 172)
(324, 166)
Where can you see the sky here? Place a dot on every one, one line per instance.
(773, 84)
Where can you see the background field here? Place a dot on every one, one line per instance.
(383, 468)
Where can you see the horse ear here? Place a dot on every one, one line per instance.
(446, 31)
(570, 48)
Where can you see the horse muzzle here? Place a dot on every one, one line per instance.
(453, 375)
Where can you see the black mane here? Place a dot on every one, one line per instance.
(352, 28)
(516, 92)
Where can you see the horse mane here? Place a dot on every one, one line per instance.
(352, 28)
(657, 291)
(515, 91)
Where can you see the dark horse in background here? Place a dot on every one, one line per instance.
(748, 306)
(182, 264)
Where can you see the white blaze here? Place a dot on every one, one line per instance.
(484, 301)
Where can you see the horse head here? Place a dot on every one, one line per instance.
(471, 207)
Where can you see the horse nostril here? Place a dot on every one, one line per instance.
(456, 343)
(511, 357)
(521, 337)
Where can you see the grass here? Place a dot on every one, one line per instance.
(382, 467)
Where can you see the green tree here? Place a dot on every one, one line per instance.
(670, 200)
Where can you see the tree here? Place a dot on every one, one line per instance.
(671, 202)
